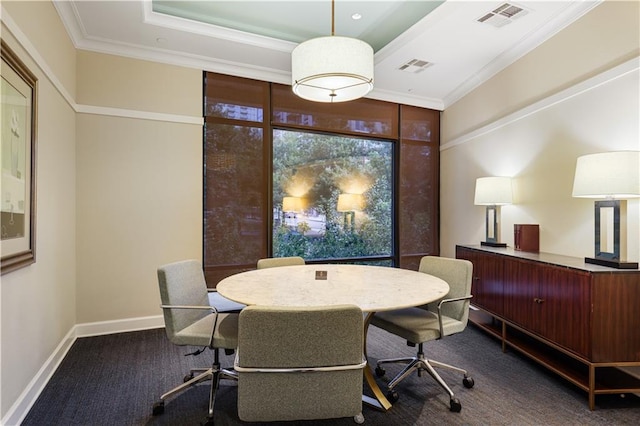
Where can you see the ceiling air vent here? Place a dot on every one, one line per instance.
(415, 66)
(503, 15)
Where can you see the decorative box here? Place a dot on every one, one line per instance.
(526, 237)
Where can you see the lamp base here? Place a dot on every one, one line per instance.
(491, 244)
(611, 263)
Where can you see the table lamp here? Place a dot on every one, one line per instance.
(611, 177)
(493, 192)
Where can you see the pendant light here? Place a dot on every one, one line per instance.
(333, 68)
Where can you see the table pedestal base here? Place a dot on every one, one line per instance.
(379, 401)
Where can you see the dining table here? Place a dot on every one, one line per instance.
(372, 288)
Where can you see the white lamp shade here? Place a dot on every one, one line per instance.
(608, 175)
(332, 69)
(350, 202)
(493, 191)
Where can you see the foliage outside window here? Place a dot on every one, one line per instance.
(332, 196)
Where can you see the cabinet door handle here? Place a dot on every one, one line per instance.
(538, 300)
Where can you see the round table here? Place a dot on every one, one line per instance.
(372, 288)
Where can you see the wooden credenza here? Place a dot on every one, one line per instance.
(581, 321)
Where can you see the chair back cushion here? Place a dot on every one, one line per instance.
(295, 337)
(458, 273)
(182, 283)
(290, 338)
(273, 262)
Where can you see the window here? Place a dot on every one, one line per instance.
(351, 182)
(332, 196)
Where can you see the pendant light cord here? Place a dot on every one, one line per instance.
(333, 18)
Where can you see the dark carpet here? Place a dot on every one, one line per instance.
(115, 379)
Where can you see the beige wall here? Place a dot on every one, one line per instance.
(38, 303)
(115, 81)
(139, 182)
(532, 121)
(139, 206)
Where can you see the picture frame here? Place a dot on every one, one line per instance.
(18, 112)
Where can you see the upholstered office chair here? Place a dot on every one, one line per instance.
(298, 363)
(273, 262)
(422, 324)
(190, 321)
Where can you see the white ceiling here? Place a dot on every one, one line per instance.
(255, 38)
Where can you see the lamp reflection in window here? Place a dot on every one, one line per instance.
(349, 204)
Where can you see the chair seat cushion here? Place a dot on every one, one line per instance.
(416, 325)
(199, 333)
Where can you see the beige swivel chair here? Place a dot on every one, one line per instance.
(300, 363)
(273, 262)
(422, 324)
(190, 321)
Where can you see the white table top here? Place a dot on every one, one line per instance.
(372, 288)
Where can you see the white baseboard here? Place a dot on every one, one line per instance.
(28, 397)
(118, 326)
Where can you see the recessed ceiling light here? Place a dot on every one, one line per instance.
(356, 16)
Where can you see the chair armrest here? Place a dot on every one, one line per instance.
(207, 308)
(442, 302)
(240, 369)
(201, 308)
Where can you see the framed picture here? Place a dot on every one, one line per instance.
(18, 157)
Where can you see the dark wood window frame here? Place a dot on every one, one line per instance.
(240, 115)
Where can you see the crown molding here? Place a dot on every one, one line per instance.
(81, 40)
(406, 99)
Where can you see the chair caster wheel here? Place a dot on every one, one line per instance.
(380, 371)
(358, 418)
(393, 396)
(454, 405)
(158, 408)
(209, 422)
(468, 382)
(188, 377)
